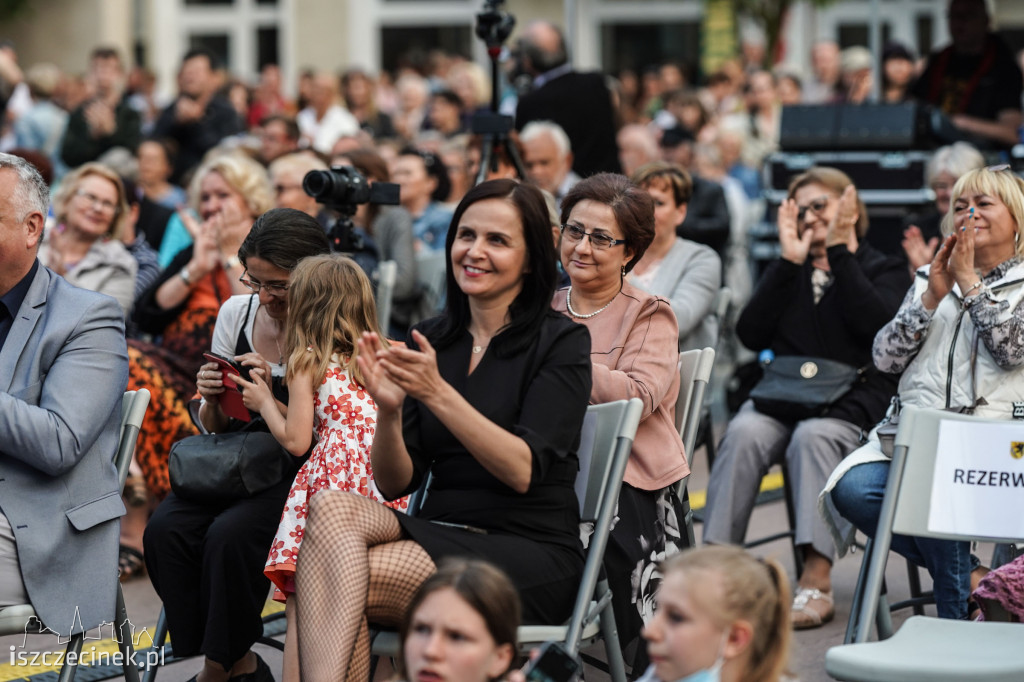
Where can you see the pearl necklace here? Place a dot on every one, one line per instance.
(568, 305)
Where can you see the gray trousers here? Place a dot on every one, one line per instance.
(753, 442)
(12, 589)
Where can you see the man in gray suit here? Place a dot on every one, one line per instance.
(63, 369)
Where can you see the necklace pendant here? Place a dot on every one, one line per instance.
(477, 349)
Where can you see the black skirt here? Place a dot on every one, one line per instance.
(547, 576)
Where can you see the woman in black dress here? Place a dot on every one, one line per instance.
(490, 399)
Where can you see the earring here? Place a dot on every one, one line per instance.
(623, 271)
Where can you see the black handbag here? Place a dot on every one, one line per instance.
(796, 387)
(222, 467)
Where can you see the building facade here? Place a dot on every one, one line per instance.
(373, 34)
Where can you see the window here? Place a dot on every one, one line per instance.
(635, 46)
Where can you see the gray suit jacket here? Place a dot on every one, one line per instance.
(63, 370)
(690, 276)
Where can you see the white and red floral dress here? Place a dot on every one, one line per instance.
(345, 421)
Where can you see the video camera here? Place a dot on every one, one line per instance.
(342, 189)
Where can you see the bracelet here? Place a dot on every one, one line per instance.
(976, 285)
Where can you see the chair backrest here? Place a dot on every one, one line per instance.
(921, 436)
(387, 273)
(695, 368)
(605, 444)
(722, 300)
(603, 427)
(133, 411)
(430, 273)
(906, 509)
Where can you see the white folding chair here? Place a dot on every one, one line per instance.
(925, 648)
(431, 271)
(695, 368)
(605, 444)
(21, 618)
(387, 273)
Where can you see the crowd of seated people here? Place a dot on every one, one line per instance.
(200, 238)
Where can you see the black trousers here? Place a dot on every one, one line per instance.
(206, 563)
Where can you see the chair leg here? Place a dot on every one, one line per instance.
(798, 557)
(610, 634)
(914, 582)
(67, 672)
(691, 539)
(858, 594)
(124, 633)
(706, 437)
(159, 639)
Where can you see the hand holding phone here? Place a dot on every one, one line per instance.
(231, 401)
(553, 663)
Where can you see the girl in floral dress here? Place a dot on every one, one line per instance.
(330, 304)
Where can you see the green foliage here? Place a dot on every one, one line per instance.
(770, 15)
(12, 9)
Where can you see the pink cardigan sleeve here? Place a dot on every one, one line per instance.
(647, 366)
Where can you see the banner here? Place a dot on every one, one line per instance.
(978, 487)
(717, 35)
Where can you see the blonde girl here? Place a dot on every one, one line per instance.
(721, 615)
(330, 305)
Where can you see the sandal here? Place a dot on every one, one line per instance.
(130, 563)
(136, 494)
(812, 608)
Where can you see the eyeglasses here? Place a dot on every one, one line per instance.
(575, 233)
(278, 289)
(817, 205)
(90, 198)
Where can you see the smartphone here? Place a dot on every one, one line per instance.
(231, 399)
(553, 664)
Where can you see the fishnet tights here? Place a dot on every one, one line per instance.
(353, 566)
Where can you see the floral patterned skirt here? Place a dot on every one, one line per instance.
(647, 529)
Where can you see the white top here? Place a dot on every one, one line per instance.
(322, 134)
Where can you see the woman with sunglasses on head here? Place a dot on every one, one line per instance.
(608, 224)
(206, 560)
(824, 298)
(85, 245)
(956, 340)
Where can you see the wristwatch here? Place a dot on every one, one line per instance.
(232, 262)
(185, 275)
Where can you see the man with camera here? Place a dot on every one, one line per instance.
(63, 370)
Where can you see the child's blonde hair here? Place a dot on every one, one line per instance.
(753, 590)
(330, 305)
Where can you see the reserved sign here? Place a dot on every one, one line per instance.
(978, 487)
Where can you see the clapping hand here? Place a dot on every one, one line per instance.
(395, 372)
(101, 119)
(919, 252)
(842, 229)
(953, 263)
(385, 393)
(795, 246)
